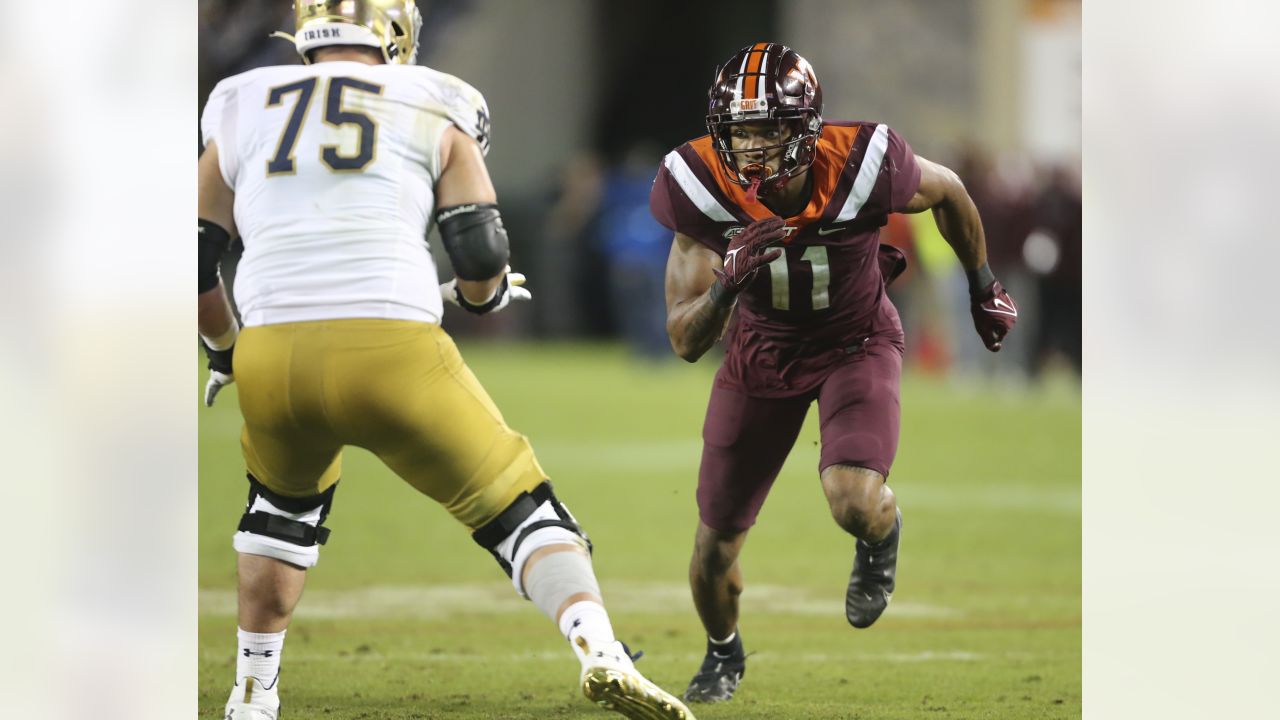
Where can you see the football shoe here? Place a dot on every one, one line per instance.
(871, 584)
(251, 700)
(722, 669)
(610, 679)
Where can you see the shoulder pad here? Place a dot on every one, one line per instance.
(460, 102)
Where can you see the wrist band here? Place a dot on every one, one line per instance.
(496, 289)
(980, 278)
(721, 295)
(487, 305)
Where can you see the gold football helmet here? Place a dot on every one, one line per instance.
(391, 25)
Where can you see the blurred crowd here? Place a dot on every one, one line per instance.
(235, 36)
(1031, 214)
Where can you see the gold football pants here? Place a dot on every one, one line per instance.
(396, 388)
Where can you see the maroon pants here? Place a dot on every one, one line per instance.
(746, 439)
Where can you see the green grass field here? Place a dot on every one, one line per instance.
(405, 617)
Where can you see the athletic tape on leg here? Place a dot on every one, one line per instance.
(539, 538)
(558, 576)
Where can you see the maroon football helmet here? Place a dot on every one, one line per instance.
(764, 82)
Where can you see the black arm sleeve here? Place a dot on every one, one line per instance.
(475, 240)
(214, 241)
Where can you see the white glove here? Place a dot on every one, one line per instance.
(219, 351)
(508, 291)
(217, 381)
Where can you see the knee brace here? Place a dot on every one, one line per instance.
(534, 520)
(285, 528)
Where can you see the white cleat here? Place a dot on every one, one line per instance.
(250, 700)
(610, 680)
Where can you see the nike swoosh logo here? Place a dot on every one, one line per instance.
(829, 230)
(1010, 310)
(732, 257)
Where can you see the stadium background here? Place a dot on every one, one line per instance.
(404, 618)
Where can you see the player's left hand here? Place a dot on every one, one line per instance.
(507, 292)
(994, 314)
(220, 373)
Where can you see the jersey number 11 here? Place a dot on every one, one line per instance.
(780, 278)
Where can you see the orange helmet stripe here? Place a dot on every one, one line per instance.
(750, 83)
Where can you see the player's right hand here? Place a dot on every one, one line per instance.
(508, 291)
(994, 314)
(750, 250)
(220, 373)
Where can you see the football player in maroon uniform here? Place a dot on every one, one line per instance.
(777, 212)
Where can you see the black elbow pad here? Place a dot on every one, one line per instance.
(214, 241)
(475, 240)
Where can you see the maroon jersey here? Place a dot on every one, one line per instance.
(825, 295)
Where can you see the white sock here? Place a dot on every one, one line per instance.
(587, 620)
(258, 655)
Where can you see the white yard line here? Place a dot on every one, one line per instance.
(444, 601)
(566, 657)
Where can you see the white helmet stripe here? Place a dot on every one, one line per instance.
(764, 71)
(737, 91)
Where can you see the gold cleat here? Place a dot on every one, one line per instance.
(630, 694)
(610, 679)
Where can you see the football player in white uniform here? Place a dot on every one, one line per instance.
(332, 172)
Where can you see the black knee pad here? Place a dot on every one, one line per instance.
(266, 528)
(517, 520)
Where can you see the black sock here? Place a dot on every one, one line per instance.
(731, 648)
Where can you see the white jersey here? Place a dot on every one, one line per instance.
(334, 166)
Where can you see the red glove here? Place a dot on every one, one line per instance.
(993, 314)
(749, 251)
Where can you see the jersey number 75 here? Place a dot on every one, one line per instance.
(283, 162)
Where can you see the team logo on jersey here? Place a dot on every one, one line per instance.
(787, 231)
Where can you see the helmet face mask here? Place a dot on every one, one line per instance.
(762, 162)
(762, 83)
(392, 26)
